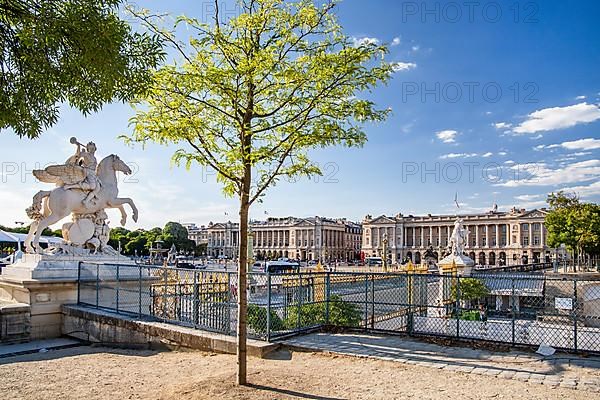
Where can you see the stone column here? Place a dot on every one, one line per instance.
(477, 243)
(497, 235)
(530, 235)
(487, 236)
(414, 235)
(542, 242)
(422, 236)
(430, 236)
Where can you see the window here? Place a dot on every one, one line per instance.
(536, 240)
(525, 227)
(483, 242)
(525, 241)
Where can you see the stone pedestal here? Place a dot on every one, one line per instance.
(459, 263)
(45, 282)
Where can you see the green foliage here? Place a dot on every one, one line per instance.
(25, 229)
(142, 240)
(252, 96)
(471, 315)
(470, 289)
(257, 319)
(341, 313)
(68, 51)
(573, 223)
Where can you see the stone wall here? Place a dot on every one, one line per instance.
(15, 322)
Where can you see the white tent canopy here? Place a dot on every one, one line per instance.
(20, 237)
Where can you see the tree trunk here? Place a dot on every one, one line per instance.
(242, 279)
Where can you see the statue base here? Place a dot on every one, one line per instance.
(53, 266)
(44, 282)
(461, 263)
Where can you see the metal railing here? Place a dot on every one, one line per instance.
(512, 308)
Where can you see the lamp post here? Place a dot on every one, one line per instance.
(385, 244)
(250, 249)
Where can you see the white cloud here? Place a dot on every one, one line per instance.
(365, 40)
(579, 144)
(582, 144)
(592, 189)
(502, 153)
(502, 125)
(509, 162)
(396, 41)
(540, 174)
(553, 118)
(488, 113)
(416, 48)
(447, 136)
(486, 155)
(402, 66)
(580, 97)
(528, 197)
(458, 155)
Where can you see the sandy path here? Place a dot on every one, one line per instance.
(100, 373)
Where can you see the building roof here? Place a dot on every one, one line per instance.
(517, 284)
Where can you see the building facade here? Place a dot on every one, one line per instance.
(314, 238)
(198, 234)
(495, 238)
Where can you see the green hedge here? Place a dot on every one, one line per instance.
(341, 313)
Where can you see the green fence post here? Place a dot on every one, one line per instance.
(79, 282)
(165, 296)
(195, 294)
(140, 291)
(327, 296)
(117, 291)
(372, 301)
(574, 314)
(299, 302)
(457, 307)
(268, 306)
(97, 285)
(366, 301)
(512, 310)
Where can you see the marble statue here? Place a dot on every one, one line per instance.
(84, 189)
(459, 238)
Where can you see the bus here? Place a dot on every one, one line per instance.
(373, 261)
(280, 267)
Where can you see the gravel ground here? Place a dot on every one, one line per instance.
(100, 373)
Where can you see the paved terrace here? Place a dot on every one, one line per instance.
(564, 370)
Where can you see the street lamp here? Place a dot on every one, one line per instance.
(385, 244)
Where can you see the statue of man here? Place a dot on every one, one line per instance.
(459, 238)
(86, 159)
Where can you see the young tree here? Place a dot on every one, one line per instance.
(253, 95)
(74, 51)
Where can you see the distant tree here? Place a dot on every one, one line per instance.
(252, 96)
(118, 235)
(201, 249)
(574, 224)
(175, 234)
(77, 52)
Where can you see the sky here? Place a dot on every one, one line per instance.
(492, 102)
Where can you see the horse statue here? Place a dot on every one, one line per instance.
(73, 197)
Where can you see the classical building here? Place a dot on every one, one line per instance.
(223, 239)
(495, 238)
(198, 234)
(291, 237)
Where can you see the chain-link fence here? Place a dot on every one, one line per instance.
(513, 308)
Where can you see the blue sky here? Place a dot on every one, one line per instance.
(498, 102)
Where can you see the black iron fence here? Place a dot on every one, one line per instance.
(508, 307)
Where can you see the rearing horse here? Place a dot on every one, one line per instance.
(61, 202)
